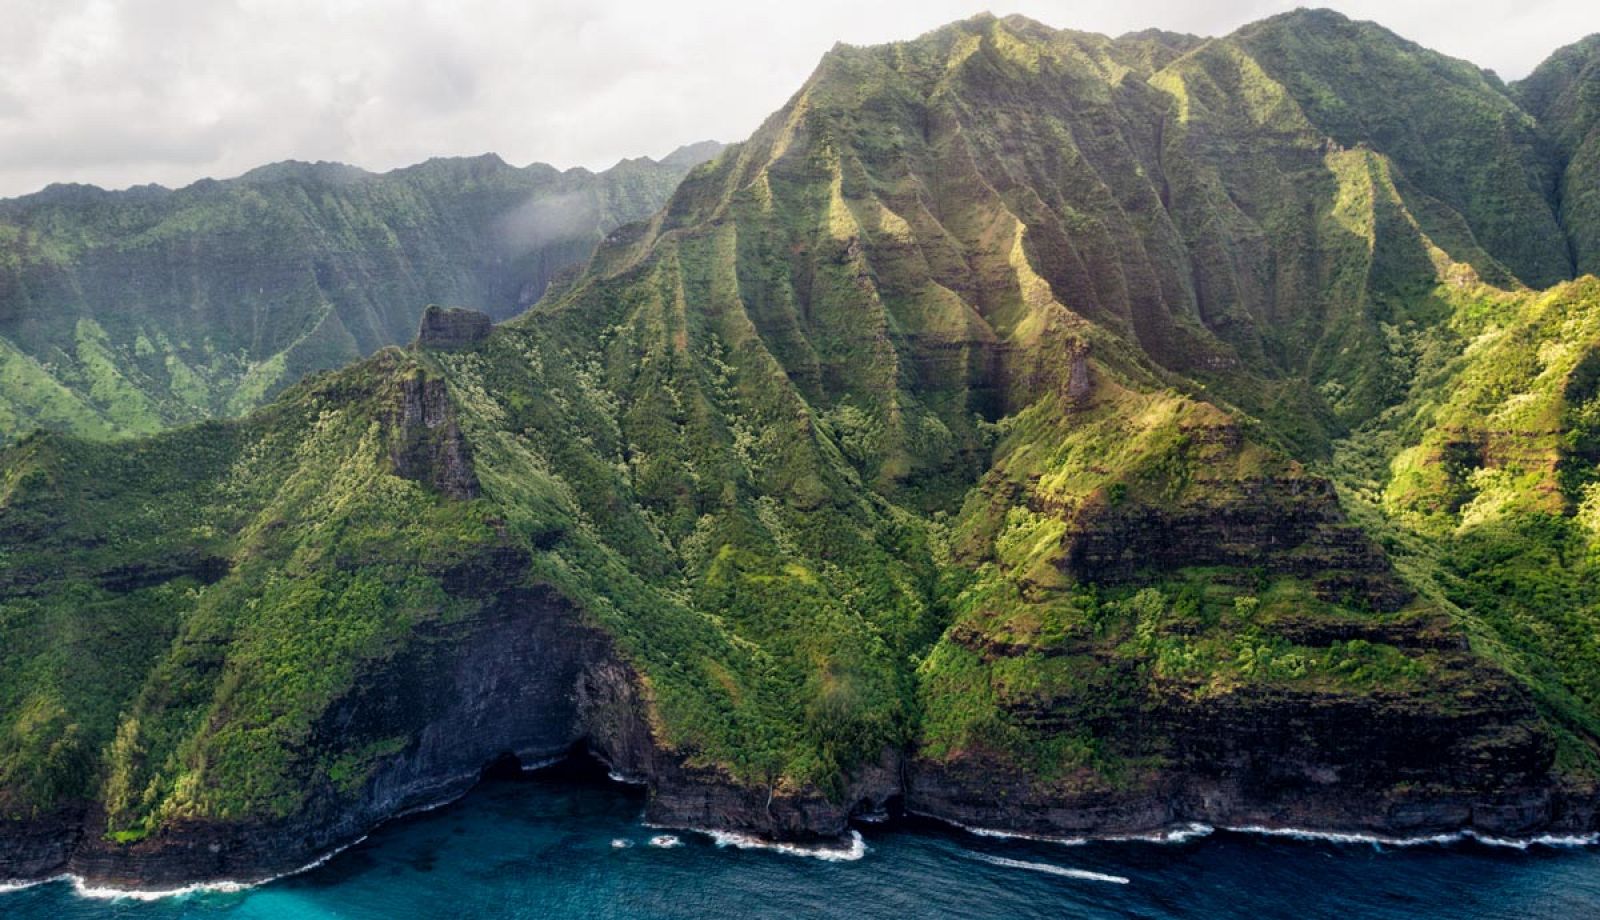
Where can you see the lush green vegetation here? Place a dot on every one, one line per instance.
(1483, 483)
(122, 313)
(1007, 387)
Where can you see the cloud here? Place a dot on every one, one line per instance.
(121, 92)
(542, 219)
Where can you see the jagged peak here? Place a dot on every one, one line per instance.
(1328, 26)
(333, 172)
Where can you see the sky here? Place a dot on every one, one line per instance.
(126, 92)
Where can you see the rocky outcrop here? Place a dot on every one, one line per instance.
(426, 444)
(452, 328)
(1078, 385)
(682, 795)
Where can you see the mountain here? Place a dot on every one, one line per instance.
(1564, 93)
(1031, 429)
(129, 312)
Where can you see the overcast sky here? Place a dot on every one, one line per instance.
(121, 92)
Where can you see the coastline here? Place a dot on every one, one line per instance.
(1197, 830)
(83, 889)
(854, 846)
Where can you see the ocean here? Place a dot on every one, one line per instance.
(565, 842)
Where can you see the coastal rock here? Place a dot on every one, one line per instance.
(1386, 764)
(681, 795)
(502, 683)
(39, 846)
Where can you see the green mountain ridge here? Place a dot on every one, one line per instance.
(129, 312)
(1049, 432)
(1562, 94)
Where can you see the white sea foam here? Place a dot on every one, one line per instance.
(625, 779)
(1177, 834)
(851, 852)
(82, 888)
(1191, 831)
(1050, 869)
(1543, 840)
(105, 893)
(1019, 835)
(620, 844)
(1516, 843)
(665, 841)
(10, 885)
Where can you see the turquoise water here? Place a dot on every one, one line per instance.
(562, 844)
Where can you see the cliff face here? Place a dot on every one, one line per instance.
(1468, 753)
(502, 682)
(526, 677)
(452, 328)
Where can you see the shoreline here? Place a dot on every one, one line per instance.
(1195, 830)
(853, 846)
(82, 888)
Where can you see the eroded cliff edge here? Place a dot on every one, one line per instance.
(529, 678)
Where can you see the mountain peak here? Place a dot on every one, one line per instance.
(301, 170)
(690, 155)
(1568, 75)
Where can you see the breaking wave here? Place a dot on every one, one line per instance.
(1515, 843)
(1179, 834)
(851, 852)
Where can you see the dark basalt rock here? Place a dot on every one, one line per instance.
(1291, 526)
(426, 444)
(1078, 386)
(453, 328)
(1389, 764)
(39, 846)
(682, 795)
(502, 682)
(203, 568)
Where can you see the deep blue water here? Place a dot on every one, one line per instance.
(546, 846)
